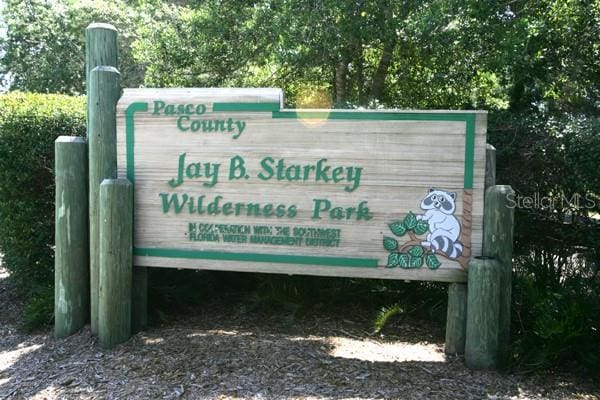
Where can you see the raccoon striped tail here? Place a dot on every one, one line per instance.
(447, 246)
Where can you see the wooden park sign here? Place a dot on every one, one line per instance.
(227, 179)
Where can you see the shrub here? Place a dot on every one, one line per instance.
(551, 161)
(556, 325)
(29, 125)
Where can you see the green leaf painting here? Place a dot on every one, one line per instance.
(403, 260)
(393, 260)
(410, 221)
(416, 262)
(416, 251)
(389, 243)
(410, 254)
(397, 228)
(432, 261)
(421, 227)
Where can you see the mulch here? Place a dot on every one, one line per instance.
(224, 351)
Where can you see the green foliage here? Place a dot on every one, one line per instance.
(365, 53)
(551, 161)
(44, 48)
(556, 324)
(429, 54)
(29, 124)
(419, 299)
(383, 316)
(39, 310)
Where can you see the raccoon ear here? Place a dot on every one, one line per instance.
(431, 189)
(453, 195)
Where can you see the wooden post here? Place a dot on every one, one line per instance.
(102, 127)
(490, 166)
(481, 347)
(456, 319)
(489, 297)
(498, 224)
(116, 235)
(100, 48)
(139, 301)
(71, 262)
(457, 292)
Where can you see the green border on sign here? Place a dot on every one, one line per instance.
(468, 118)
(252, 107)
(257, 257)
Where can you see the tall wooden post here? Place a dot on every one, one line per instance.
(456, 318)
(490, 166)
(71, 262)
(498, 225)
(100, 48)
(115, 274)
(102, 131)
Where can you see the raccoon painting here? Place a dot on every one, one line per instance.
(444, 228)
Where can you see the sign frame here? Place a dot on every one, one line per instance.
(248, 261)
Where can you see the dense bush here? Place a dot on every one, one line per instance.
(551, 160)
(29, 124)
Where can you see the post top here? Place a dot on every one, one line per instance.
(115, 182)
(105, 68)
(70, 139)
(504, 189)
(101, 25)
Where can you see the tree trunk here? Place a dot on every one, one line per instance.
(363, 90)
(341, 76)
(387, 54)
(382, 69)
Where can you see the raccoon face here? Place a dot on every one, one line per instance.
(440, 200)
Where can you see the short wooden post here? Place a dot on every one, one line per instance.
(71, 262)
(498, 224)
(456, 317)
(102, 128)
(139, 301)
(115, 277)
(481, 346)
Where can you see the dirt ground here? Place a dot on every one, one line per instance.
(224, 353)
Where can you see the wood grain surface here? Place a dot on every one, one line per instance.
(402, 154)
